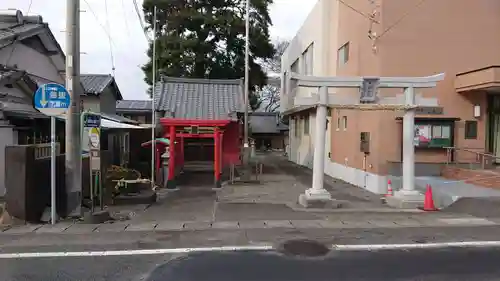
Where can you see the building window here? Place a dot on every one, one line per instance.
(338, 124)
(296, 126)
(343, 54)
(307, 60)
(295, 66)
(470, 130)
(306, 125)
(344, 123)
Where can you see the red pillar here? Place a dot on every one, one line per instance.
(158, 160)
(223, 160)
(171, 163)
(217, 157)
(182, 151)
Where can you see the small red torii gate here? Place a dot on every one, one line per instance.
(172, 124)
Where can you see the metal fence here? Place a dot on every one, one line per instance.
(42, 150)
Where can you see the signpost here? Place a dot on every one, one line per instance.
(92, 122)
(52, 100)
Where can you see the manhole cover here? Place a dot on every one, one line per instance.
(304, 248)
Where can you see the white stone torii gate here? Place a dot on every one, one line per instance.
(368, 101)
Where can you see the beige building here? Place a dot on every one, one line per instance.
(399, 38)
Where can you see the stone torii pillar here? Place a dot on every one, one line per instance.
(368, 100)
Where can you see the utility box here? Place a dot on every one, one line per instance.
(364, 144)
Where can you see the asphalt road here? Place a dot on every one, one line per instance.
(445, 264)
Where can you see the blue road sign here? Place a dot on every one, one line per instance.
(52, 99)
(92, 120)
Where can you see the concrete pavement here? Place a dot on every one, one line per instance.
(340, 222)
(268, 205)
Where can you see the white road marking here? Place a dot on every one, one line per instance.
(264, 247)
(372, 247)
(133, 252)
(466, 221)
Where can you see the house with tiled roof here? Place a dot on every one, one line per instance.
(29, 57)
(268, 131)
(101, 93)
(138, 110)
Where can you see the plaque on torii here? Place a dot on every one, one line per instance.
(368, 100)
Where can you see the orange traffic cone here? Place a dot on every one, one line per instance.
(429, 201)
(389, 189)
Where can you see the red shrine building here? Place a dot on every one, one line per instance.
(202, 119)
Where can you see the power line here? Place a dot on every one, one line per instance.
(109, 38)
(402, 18)
(29, 7)
(138, 13)
(125, 18)
(100, 24)
(357, 11)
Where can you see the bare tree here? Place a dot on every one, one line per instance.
(273, 64)
(270, 94)
(270, 98)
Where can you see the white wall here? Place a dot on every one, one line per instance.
(7, 137)
(321, 28)
(301, 148)
(30, 60)
(316, 30)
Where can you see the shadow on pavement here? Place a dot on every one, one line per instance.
(478, 207)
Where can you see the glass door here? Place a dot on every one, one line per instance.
(494, 125)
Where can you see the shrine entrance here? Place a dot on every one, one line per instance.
(194, 140)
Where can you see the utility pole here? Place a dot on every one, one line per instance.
(153, 109)
(73, 134)
(246, 146)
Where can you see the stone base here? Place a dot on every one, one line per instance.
(317, 202)
(171, 184)
(406, 200)
(96, 217)
(217, 184)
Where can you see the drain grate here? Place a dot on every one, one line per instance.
(304, 248)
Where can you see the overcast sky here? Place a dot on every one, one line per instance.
(128, 41)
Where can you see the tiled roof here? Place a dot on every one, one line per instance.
(118, 118)
(95, 83)
(20, 110)
(133, 105)
(8, 73)
(265, 123)
(187, 98)
(14, 25)
(15, 103)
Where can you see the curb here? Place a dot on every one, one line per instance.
(354, 210)
(174, 226)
